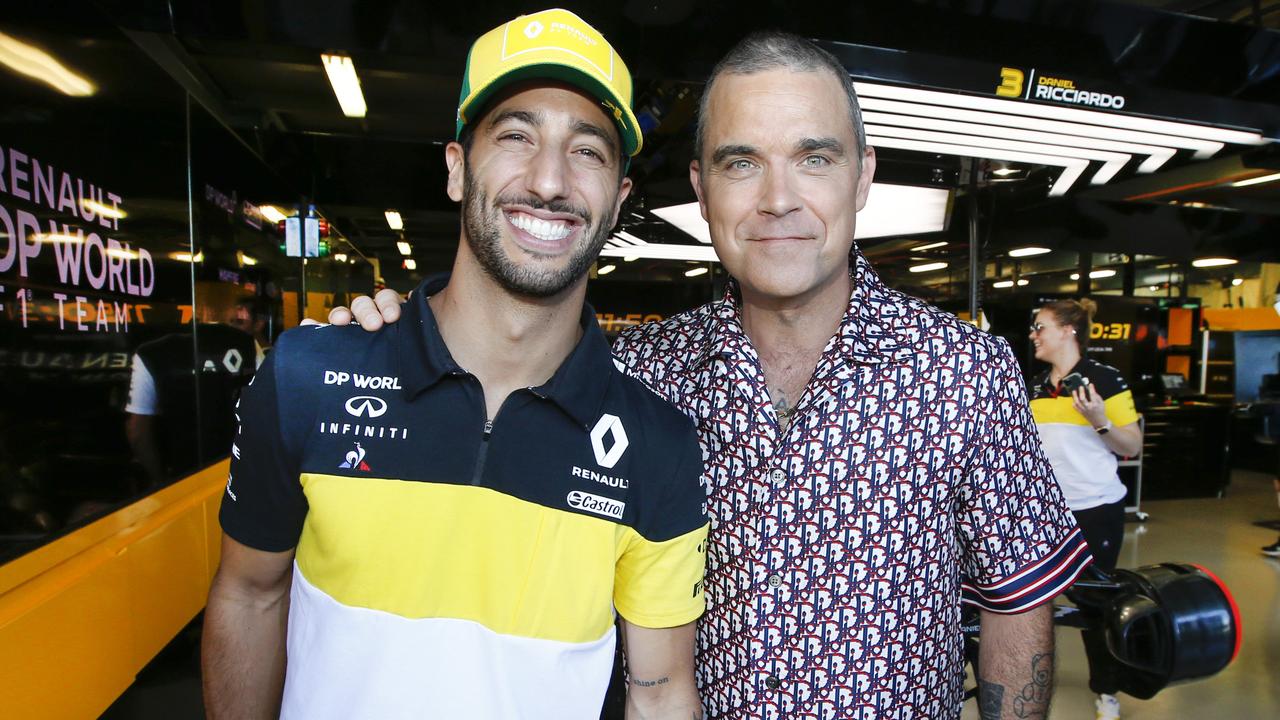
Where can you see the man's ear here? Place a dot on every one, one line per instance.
(865, 177)
(624, 189)
(455, 159)
(695, 179)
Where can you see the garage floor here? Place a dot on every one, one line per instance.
(1218, 534)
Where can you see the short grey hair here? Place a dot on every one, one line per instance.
(776, 50)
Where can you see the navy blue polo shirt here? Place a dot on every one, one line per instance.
(448, 564)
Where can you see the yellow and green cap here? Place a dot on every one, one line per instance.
(556, 45)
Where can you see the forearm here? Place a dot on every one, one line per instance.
(663, 698)
(243, 654)
(1016, 664)
(1124, 441)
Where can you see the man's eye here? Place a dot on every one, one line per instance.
(592, 154)
(814, 161)
(518, 137)
(741, 164)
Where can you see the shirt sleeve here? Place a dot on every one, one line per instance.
(264, 505)
(658, 577)
(142, 389)
(1120, 408)
(1020, 543)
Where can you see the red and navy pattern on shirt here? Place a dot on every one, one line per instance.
(911, 476)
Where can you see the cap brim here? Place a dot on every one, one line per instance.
(628, 126)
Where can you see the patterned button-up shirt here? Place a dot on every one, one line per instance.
(911, 475)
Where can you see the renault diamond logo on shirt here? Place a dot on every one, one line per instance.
(609, 424)
(367, 406)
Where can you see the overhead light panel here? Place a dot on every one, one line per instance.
(247, 260)
(1028, 251)
(606, 269)
(37, 64)
(1096, 274)
(928, 267)
(662, 251)
(410, 264)
(271, 213)
(1008, 283)
(346, 84)
(1213, 262)
(394, 220)
(931, 246)
(695, 272)
(1236, 282)
(890, 210)
(404, 247)
(1257, 181)
(340, 257)
(186, 257)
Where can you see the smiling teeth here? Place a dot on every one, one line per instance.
(542, 229)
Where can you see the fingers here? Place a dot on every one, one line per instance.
(388, 304)
(337, 316)
(366, 313)
(309, 321)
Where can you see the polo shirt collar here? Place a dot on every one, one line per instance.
(578, 386)
(871, 330)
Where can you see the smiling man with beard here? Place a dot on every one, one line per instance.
(441, 519)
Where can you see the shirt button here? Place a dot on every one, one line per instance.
(779, 479)
(775, 581)
(772, 682)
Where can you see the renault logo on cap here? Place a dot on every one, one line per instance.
(367, 406)
(533, 29)
(609, 424)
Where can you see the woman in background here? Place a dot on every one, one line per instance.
(1085, 422)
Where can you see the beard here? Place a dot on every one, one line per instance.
(482, 223)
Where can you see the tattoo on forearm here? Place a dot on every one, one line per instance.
(1033, 701)
(650, 683)
(990, 700)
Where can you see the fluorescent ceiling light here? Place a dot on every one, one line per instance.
(663, 251)
(1257, 181)
(271, 213)
(928, 267)
(1236, 282)
(410, 264)
(687, 217)
(1028, 251)
(340, 257)
(1004, 171)
(1072, 168)
(393, 220)
(186, 257)
(404, 247)
(630, 258)
(39, 65)
(1064, 114)
(1213, 262)
(247, 260)
(1111, 162)
(346, 84)
(930, 246)
(65, 238)
(605, 270)
(623, 237)
(1157, 148)
(1002, 284)
(890, 210)
(695, 272)
(101, 210)
(1096, 274)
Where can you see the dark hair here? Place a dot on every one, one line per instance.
(775, 50)
(1077, 314)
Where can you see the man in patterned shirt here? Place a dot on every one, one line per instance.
(870, 460)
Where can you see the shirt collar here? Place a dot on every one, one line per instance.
(871, 330)
(578, 386)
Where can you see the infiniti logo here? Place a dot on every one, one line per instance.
(367, 406)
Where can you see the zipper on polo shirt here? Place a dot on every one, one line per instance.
(484, 452)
